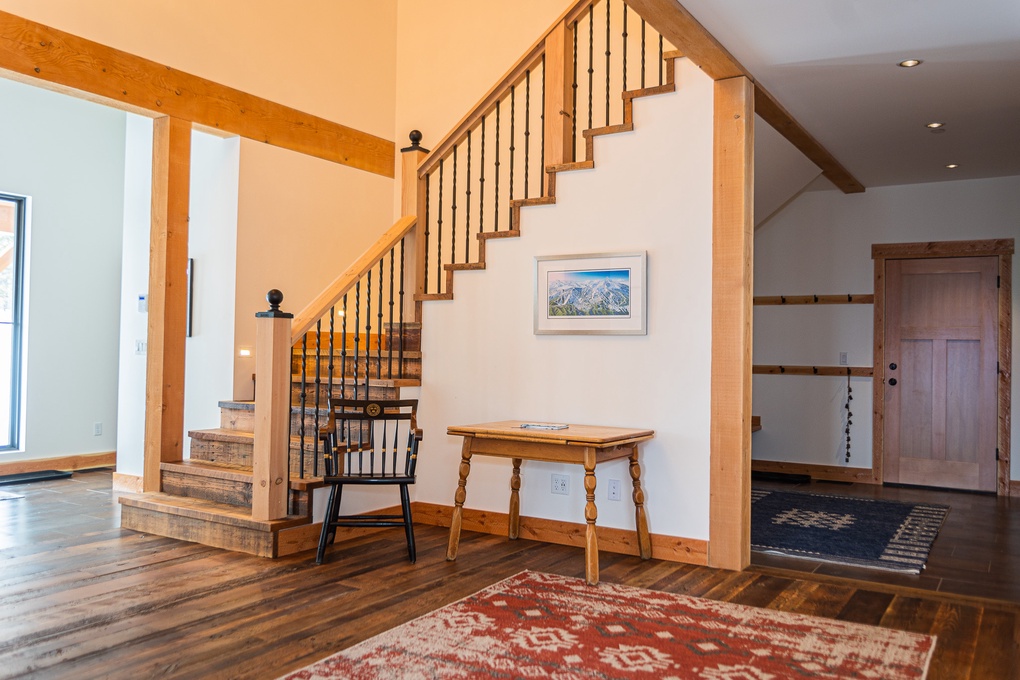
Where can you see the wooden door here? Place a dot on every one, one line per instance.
(941, 373)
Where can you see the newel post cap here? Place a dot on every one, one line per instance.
(415, 138)
(274, 298)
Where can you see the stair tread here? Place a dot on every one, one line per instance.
(650, 91)
(209, 511)
(232, 471)
(566, 167)
(505, 233)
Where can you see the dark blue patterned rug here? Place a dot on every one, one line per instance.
(855, 531)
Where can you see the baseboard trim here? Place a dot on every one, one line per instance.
(127, 483)
(830, 473)
(83, 461)
(668, 548)
(1014, 487)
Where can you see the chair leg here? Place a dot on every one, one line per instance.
(328, 534)
(405, 504)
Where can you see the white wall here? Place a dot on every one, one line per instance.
(821, 243)
(483, 362)
(68, 156)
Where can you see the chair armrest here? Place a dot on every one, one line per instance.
(418, 434)
(329, 428)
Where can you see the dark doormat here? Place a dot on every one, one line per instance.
(860, 532)
(39, 476)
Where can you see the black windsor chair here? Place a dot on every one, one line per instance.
(369, 442)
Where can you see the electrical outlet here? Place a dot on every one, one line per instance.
(97, 429)
(614, 490)
(561, 485)
(140, 346)
(842, 359)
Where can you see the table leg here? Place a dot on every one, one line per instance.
(591, 542)
(458, 500)
(515, 500)
(644, 540)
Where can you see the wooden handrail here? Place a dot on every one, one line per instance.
(306, 318)
(496, 92)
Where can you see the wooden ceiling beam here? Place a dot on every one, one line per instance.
(44, 56)
(680, 27)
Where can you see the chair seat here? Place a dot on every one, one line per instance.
(368, 479)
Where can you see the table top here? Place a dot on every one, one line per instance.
(572, 435)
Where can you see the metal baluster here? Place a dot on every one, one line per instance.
(379, 329)
(527, 127)
(481, 183)
(357, 334)
(541, 118)
(400, 362)
(467, 199)
(439, 233)
(318, 387)
(591, 60)
(609, 6)
(304, 402)
(624, 105)
(644, 45)
(389, 330)
(513, 148)
(495, 194)
(343, 352)
(660, 59)
(453, 211)
(368, 329)
(573, 104)
(425, 273)
(329, 378)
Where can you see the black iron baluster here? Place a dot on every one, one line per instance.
(481, 183)
(425, 273)
(343, 352)
(304, 402)
(318, 387)
(541, 118)
(609, 6)
(644, 47)
(439, 233)
(513, 132)
(357, 335)
(453, 211)
(368, 329)
(495, 193)
(527, 127)
(389, 330)
(467, 208)
(591, 60)
(329, 378)
(380, 330)
(660, 59)
(625, 12)
(400, 362)
(573, 104)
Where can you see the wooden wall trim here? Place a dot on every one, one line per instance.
(829, 473)
(1003, 249)
(44, 56)
(732, 257)
(81, 461)
(1014, 487)
(680, 27)
(624, 541)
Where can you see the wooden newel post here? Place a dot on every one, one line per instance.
(412, 196)
(270, 459)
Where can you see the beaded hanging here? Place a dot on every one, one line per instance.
(849, 414)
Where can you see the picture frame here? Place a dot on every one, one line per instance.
(591, 294)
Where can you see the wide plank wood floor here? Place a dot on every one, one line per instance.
(81, 598)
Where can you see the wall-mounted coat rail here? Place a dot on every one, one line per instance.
(854, 371)
(848, 299)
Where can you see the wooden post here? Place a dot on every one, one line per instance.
(410, 199)
(559, 142)
(168, 263)
(733, 239)
(270, 458)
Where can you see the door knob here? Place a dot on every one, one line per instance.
(892, 381)
(892, 367)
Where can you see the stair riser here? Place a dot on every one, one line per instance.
(392, 337)
(348, 392)
(199, 531)
(371, 366)
(227, 491)
(240, 453)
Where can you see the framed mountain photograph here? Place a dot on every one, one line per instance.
(596, 294)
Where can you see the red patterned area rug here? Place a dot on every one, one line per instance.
(536, 625)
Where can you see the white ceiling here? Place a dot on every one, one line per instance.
(833, 65)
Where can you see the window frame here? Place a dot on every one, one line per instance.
(17, 319)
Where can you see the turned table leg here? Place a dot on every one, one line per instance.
(458, 500)
(515, 500)
(591, 542)
(644, 540)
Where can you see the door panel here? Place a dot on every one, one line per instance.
(940, 399)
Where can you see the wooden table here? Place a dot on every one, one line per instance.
(587, 445)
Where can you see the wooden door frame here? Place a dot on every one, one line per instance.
(1001, 248)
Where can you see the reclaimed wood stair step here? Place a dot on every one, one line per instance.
(229, 483)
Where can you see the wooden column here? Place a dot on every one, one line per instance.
(559, 142)
(271, 454)
(412, 195)
(168, 289)
(732, 243)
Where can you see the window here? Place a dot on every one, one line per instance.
(12, 264)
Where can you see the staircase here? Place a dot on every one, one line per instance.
(207, 498)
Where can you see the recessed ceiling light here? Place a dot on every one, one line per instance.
(934, 126)
(910, 63)
(953, 166)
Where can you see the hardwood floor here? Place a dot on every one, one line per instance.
(977, 551)
(82, 598)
